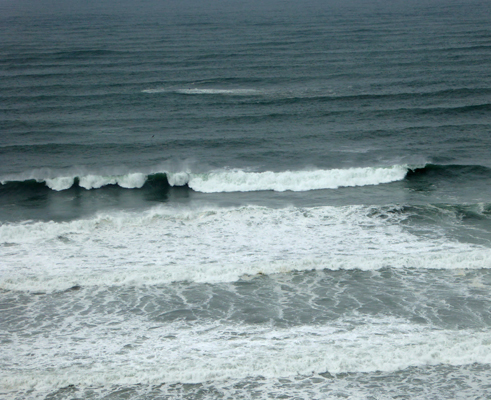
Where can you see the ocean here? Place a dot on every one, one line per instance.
(245, 199)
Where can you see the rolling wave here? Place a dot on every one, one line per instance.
(297, 181)
(454, 171)
(223, 181)
(226, 180)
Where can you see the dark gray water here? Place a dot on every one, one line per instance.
(245, 200)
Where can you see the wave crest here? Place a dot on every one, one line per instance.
(297, 181)
(232, 180)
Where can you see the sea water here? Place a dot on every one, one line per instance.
(252, 200)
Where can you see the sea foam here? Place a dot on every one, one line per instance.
(168, 244)
(129, 181)
(197, 353)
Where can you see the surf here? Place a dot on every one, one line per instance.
(170, 244)
(223, 180)
(206, 352)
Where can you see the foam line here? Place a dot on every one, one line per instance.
(214, 352)
(209, 91)
(219, 245)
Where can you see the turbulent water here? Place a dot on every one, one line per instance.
(248, 200)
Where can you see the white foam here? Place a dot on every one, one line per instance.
(133, 180)
(178, 178)
(60, 183)
(168, 244)
(157, 90)
(129, 181)
(240, 181)
(118, 351)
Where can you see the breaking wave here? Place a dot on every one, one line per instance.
(229, 180)
(236, 180)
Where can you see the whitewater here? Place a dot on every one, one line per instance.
(220, 245)
(379, 344)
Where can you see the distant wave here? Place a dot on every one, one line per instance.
(299, 95)
(230, 180)
(194, 91)
(450, 171)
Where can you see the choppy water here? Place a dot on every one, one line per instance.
(245, 200)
